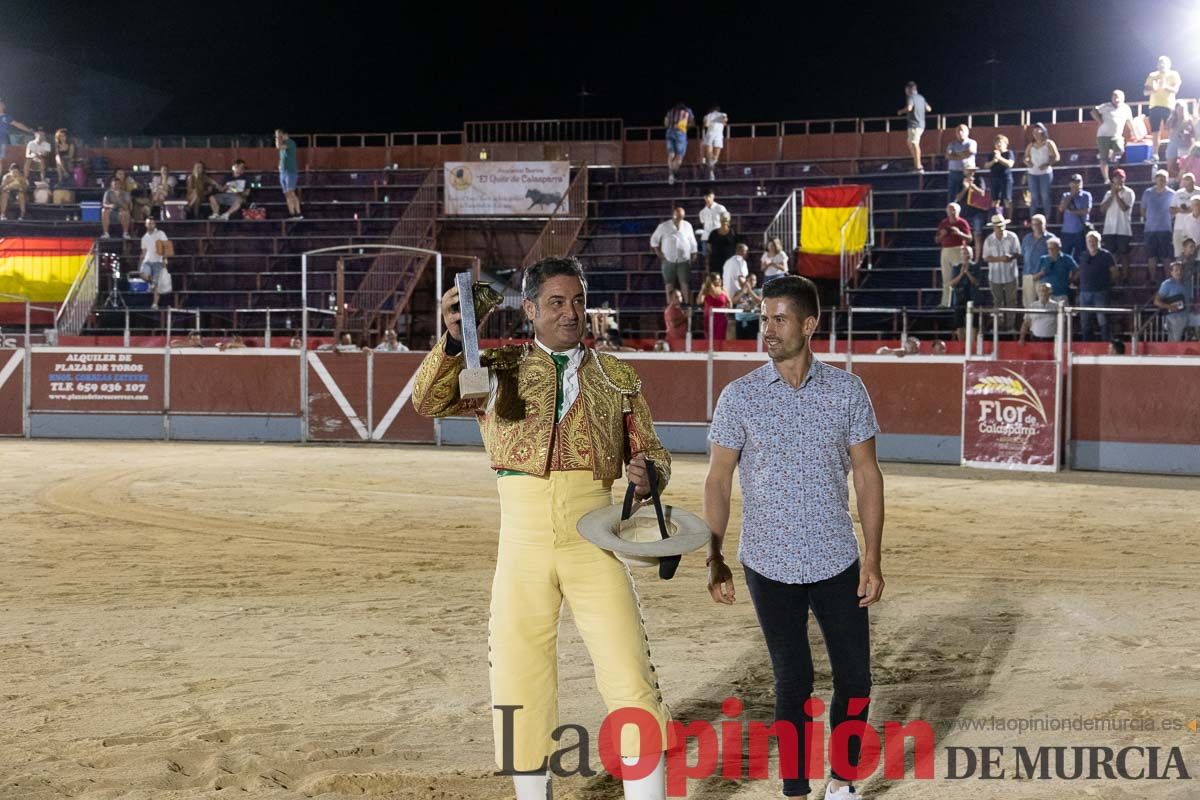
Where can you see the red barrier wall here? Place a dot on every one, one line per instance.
(12, 372)
(1145, 404)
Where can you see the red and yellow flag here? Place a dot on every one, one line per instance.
(41, 269)
(828, 213)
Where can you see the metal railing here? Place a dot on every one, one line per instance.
(848, 261)
(543, 130)
(561, 230)
(81, 298)
(786, 225)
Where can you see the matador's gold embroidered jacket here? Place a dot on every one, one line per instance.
(519, 432)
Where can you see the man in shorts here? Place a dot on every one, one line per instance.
(714, 139)
(1113, 117)
(1117, 207)
(674, 242)
(915, 109)
(233, 193)
(1161, 87)
(289, 172)
(1156, 212)
(677, 122)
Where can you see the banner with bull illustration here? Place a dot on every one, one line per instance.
(1010, 415)
(506, 188)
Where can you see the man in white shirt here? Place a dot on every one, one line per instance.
(1110, 136)
(714, 139)
(734, 270)
(1002, 252)
(1043, 326)
(37, 153)
(1181, 207)
(153, 260)
(1191, 221)
(674, 242)
(1117, 207)
(710, 218)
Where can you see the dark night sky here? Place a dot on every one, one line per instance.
(223, 68)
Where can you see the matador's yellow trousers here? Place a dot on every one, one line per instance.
(542, 559)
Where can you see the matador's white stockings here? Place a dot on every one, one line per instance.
(651, 787)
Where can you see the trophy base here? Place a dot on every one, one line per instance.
(474, 384)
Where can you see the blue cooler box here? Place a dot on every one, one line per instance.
(89, 212)
(1137, 153)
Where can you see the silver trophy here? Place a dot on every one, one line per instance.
(474, 382)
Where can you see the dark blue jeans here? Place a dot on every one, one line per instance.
(782, 610)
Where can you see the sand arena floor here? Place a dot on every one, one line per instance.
(186, 621)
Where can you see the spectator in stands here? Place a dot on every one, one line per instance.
(162, 189)
(939, 348)
(1000, 163)
(1041, 155)
(64, 155)
(236, 343)
(234, 193)
(677, 121)
(915, 108)
(735, 270)
(1055, 269)
(676, 318)
(1156, 214)
(162, 286)
(391, 344)
(1175, 298)
(714, 139)
(346, 344)
(1096, 274)
(1189, 162)
(952, 233)
(153, 256)
(1191, 221)
(1161, 86)
(712, 295)
(1113, 117)
(1002, 252)
(774, 261)
(1033, 247)
(200, 187)
(965, 284)
(747, 300)
(139, 198)
(976, 204)
(1188, 260)
(674, 242)
(909, 346)
(1181, 134)
(1041, 323)
(722, 245)
(1117, 207)
(960, 155)
(6, 122)
(14, 183)
(710, 220)
(115, 199)
(289, 173)
(37, 153)
(1181, 208)
(1075, 206)
(1116, 347)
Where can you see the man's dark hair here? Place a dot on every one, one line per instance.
(536, 275)
(239, 161)
(710, 193)
(911, 85)
(1118, 347)
(800, 290)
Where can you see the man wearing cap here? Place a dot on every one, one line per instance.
(793, 429)
(1156, 213)
(1117, 207)
(1180, 208)
(558, 424)
(1075, 206)
(1002, 251)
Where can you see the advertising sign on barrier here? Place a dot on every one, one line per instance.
(1010, 415)
(121, 380)
(506, 188)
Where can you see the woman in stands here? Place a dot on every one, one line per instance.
(64, 154)
(1181, 129)
(1040, 157)
(200, 187)
(713, 296)
(162, 189)
(774, 261)
(1001, 183)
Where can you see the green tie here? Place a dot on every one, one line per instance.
(560, 367)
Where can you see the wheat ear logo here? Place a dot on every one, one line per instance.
(1016, 389)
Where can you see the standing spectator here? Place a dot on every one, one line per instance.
(952, 233)
(14, 183)
(915, 108)
(6, 122)
(676, 317)
(1043, 325)
(960, 155)
(234, 193)
(712, 295)
(1033, 247)
(1175, 298)
(965, 284)
(1117, 206)
(747, 300)
(37, 153)
(1161, 86)
(710, 220)
(391, 344)
(1113, 117)
(1191, 221)
(162, 189)
(774, 261)
(1040, 156)
(1189, 161)
(64, 154)
(1096, 274)
(674, 243)
(200, 187)
(1075, 206)
(153, 256)
(1156, 213)
(714, 139)
(1188, 259)
(115, 199)
(975, 203)
(1181, 134)
(1002, 251)
(677, 121)
(1055, 269)
(1181, 208)
(1001, 182)
(734, 270)
(722, 245)
(289, 172)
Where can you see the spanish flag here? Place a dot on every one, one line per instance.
(41, 269)
(825, 210)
